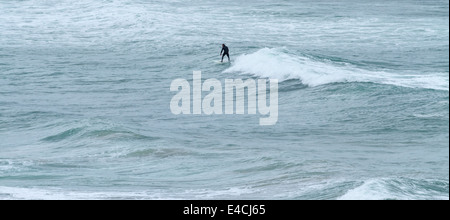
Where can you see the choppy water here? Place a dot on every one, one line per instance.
(363, 100)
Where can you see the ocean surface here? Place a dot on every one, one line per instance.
(85, 99)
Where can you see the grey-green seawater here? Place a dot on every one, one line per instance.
(363, 99)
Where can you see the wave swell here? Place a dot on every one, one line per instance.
(280, 64)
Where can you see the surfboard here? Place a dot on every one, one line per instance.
(224, 62)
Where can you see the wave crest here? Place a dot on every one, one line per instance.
(279, 64)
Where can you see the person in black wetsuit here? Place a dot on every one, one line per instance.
(225, 51)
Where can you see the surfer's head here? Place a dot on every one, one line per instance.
(223, 45)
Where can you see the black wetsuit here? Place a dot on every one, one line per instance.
(225, 52)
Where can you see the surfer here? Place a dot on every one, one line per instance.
(224, 51)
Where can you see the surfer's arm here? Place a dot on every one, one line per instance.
(221, 51)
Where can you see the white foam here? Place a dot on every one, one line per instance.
(14, 193)
(432, 115)
(33, 193)
(278, 64)
(390, 189)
